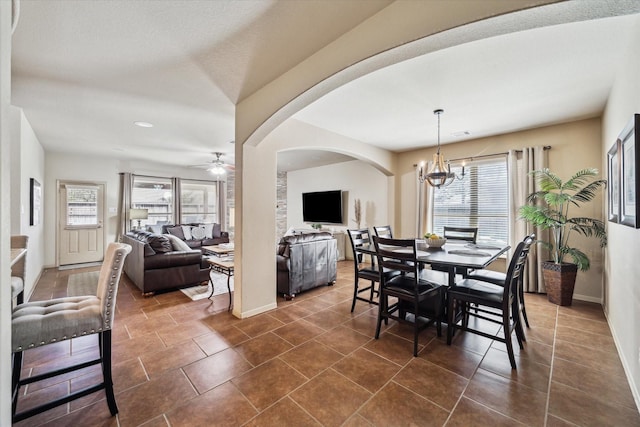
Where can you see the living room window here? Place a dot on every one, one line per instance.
(156, 195)
(198, 202)
(480, 200)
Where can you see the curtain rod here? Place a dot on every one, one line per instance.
(471, 158)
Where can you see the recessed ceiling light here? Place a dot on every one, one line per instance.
(143, 124)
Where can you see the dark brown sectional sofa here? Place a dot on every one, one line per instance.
(154, 265)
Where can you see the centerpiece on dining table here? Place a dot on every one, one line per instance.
(434, 240)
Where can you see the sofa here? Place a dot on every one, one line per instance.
(162, 262)
(305, 261)
(198, 235)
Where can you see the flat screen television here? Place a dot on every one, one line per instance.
(322, 207)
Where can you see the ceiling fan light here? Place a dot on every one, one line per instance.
(216, 169)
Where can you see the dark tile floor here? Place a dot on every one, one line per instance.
(311, 362)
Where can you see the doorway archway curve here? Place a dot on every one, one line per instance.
(453, 29)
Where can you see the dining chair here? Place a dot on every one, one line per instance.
(364, 270)
(498, 278)
(383, 231)
(39, 323)
(19, 269)
(493, 303)
(467, 234)
(414, 294)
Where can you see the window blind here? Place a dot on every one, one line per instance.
(480, 199)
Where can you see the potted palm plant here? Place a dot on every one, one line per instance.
(548, 209)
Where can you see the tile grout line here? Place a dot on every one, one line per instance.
(553, 355)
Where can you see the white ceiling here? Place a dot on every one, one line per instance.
(85, 71)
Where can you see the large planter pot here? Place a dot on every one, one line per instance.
(559, 279)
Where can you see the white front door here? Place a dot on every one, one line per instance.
(80, 226)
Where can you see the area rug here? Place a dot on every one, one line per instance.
(201, 292)
(85, 283)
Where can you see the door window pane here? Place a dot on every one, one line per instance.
(82, 205)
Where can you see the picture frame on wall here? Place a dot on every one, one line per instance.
(613, 163)
(629, 158)
(35, 199)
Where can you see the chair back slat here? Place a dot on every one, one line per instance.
(396, 254)
(383, 231)
(467, 234)
(516, 267)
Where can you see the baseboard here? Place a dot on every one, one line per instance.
(625, 365)
(256, 311)
(588, 298)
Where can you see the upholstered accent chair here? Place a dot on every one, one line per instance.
(39, 323)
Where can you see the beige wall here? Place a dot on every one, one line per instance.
(574, 146)
(27, 157)
(622, 269)
(358, 179)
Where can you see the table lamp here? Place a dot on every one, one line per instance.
(138, 214)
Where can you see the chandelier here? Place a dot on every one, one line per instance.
(439, 174)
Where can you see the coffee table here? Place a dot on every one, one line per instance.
(224, 266)
(217, 250)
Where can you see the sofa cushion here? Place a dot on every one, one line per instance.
(159, 243)
(198, 233)
(148, 250)
(176, 231)
(217, 231)
(177, 243)
(208, 230)
(186, 230)
(173, 259)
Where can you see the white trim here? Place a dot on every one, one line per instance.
(625, 364)
(256, 311)
(587, 298)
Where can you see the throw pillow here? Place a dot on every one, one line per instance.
(197, 233)
(217, 231)
(159, 243)
(148, 251)
(208, 230)
(186, 230)
(176, 231)
(177, 243)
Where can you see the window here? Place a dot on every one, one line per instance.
(82, 205)
(480, 200)
(156, 195)
(198, 202)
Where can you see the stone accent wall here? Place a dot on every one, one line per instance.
(281, 205)
(231, 203)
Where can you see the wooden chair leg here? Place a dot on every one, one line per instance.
(15, 381)
(507, 335)
(381, 307)
(105, 351)
(355, 294)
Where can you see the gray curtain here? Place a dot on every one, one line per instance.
(520, 163)
(124, 203)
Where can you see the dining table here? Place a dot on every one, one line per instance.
(454, 254)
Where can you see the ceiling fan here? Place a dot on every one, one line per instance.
(217, 166)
